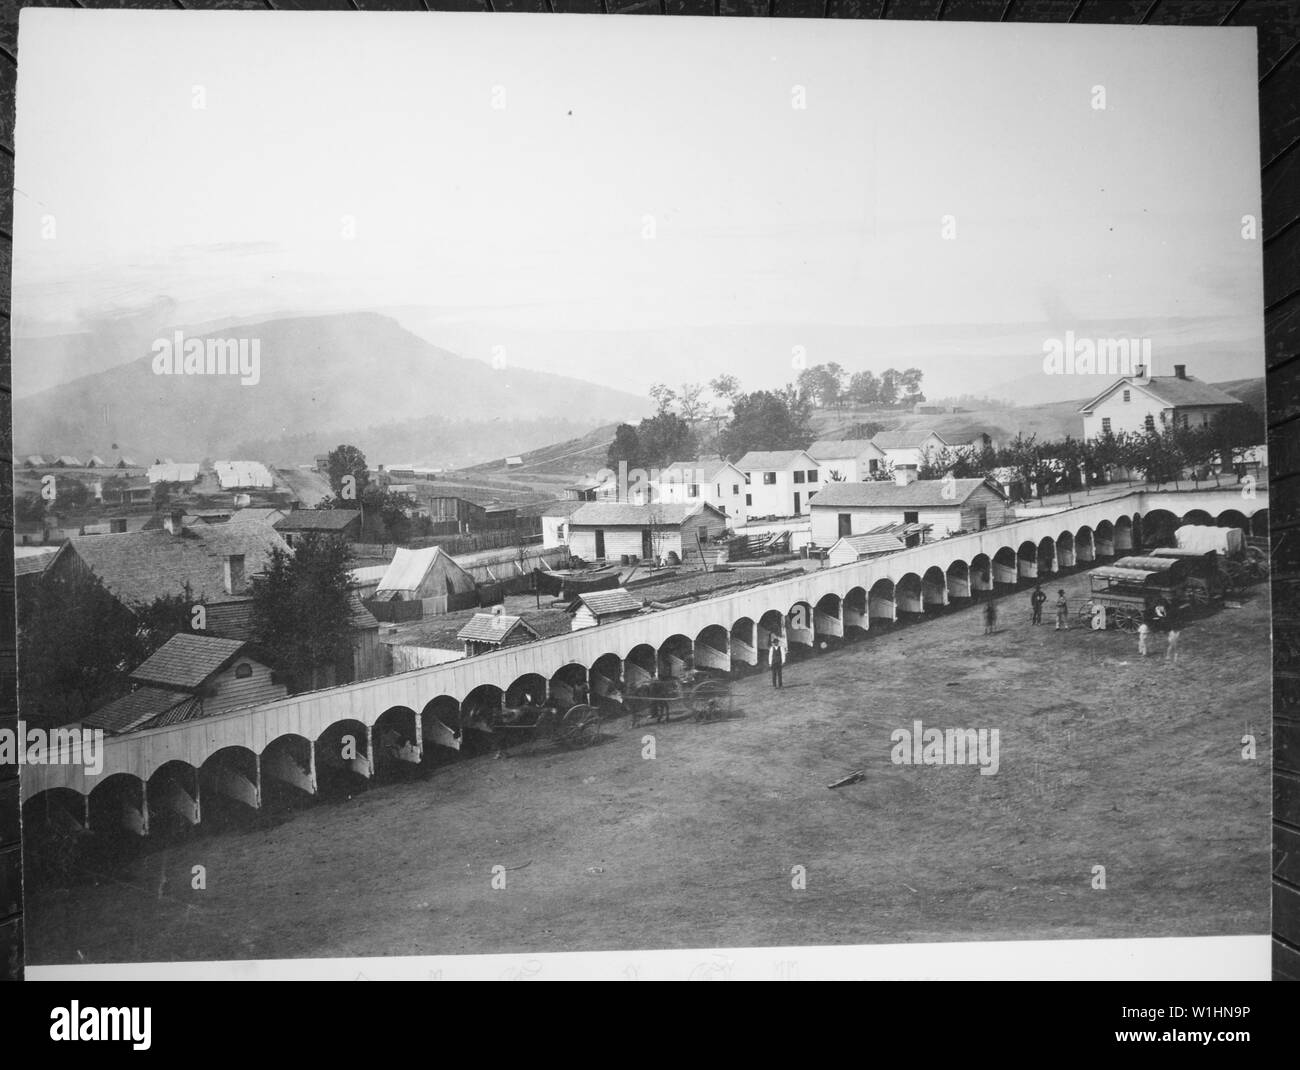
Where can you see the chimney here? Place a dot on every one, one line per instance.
(175, 522)
(1180, 371)
(233, 573)
(904, 474)
(1141, 373)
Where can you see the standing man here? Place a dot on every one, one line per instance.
(774, 655)
(1036, 600)
(1062, 612)
(990, 616)
(1173, 628)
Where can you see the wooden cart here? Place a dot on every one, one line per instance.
(1127, 592)
(698, 696)
(578, 726)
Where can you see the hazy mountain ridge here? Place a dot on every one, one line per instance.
(320, 377)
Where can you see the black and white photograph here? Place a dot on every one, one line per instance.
(510, 485)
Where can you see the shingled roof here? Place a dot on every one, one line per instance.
(904, 440)
(624, 514)
(186, 661)
(609, 603)
(145, 707)
(829, 449)
(922, 493)
(1172, 390)
(318, 520)
(774, 460)
(140, 566)
(493, 628)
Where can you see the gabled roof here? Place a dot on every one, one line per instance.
(869, 543)
(565, 508)
(257, 516)
(609, 603)
(361, 617)
(30, 563)
(905, 440)
(704, 470)
(625, 514)
(332, 520)
(1170, 391)
(775, 460)
(921, 493)
(140, 566)
(829, 449)
(186, 661)
(493, 628)
(145, 707)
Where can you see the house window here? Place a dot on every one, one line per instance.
(693, 491)
(1150, 422)
(769, 479)
(812, 475)
(244, 671)
(873, 466)
(798, 477)
(846, 524)
(1128, 395)
(1186, 420)
(735, 488)
(911, 517)
(1105, 425)
(749, 499)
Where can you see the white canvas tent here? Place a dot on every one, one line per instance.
(418, 575)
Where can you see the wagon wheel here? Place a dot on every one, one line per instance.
(1234, 577)
(1084, 612)
(1127, 619)
(707, 699)
(580, 727)
(1198, 594)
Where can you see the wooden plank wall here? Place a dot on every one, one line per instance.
(1279, 32)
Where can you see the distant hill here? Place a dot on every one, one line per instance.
(322, 377)
(1049, 421)
(545, 471)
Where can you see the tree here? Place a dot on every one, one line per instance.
(665, 438)
(909, 382)
(888, 388)
(71, 493)
(626, 448)
(1234, 430)
(30, 508)
(663, 397)
(346, 461)
(766, 420)
(822, 383)
(689, 403)
(76, 645)
(864, 389)
(725, 386)
(302, 610)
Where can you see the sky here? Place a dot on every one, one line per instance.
(562, 184)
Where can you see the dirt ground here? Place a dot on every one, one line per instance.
(1106, 759)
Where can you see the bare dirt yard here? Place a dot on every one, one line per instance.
(1106, 759)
